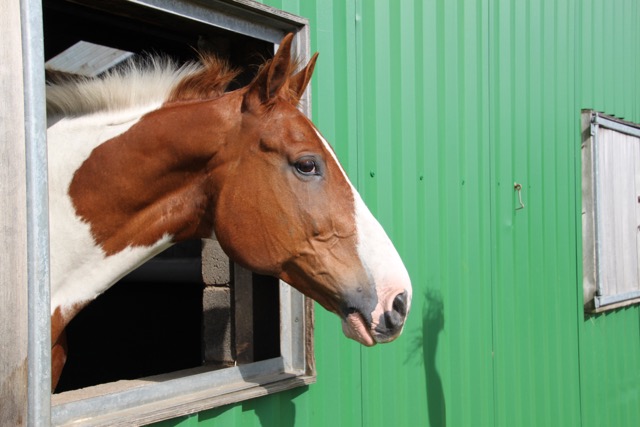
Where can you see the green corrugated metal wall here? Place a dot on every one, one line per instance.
(437, 108)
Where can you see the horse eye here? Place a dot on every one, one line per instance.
(306, 167)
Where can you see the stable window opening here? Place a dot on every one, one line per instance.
(188, 322)
(610, 211)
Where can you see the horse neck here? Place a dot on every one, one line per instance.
(132, 196)
(158, 182)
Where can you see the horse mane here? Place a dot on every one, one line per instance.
(138, 82)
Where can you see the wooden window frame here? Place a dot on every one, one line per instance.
(147, 400)
(610, 212)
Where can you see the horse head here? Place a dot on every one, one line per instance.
(284, 206)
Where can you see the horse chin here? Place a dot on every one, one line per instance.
(355, 327)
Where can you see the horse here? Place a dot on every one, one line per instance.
(151, 155)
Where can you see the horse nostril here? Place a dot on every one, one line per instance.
(394, 319)
(400, 304)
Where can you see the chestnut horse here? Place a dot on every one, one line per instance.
(144, 158)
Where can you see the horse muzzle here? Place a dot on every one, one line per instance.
(381, 326)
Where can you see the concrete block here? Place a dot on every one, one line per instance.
(217, 328)
(215, 264)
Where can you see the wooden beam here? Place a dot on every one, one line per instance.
(13, 225)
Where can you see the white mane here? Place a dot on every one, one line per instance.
(137, 83)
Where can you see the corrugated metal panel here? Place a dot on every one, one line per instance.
(534, 130)
(618, 162)
(424, 169)
(437, 109)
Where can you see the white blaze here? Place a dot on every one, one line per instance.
(378, 256)
(381, 259)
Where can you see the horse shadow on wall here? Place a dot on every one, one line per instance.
(427, 344)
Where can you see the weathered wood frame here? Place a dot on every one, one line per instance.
(13, 231)
(25, 392)
(24, 275)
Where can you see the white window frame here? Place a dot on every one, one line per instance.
(610, 212)
(169, 395)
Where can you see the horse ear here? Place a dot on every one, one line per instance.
(299, 82)
(272, 78)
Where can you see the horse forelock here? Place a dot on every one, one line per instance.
(139, 82)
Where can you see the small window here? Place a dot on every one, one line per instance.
(610, 211)
(189, 334)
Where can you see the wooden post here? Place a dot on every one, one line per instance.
(13, 223)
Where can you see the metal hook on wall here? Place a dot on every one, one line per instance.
(518, 188)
